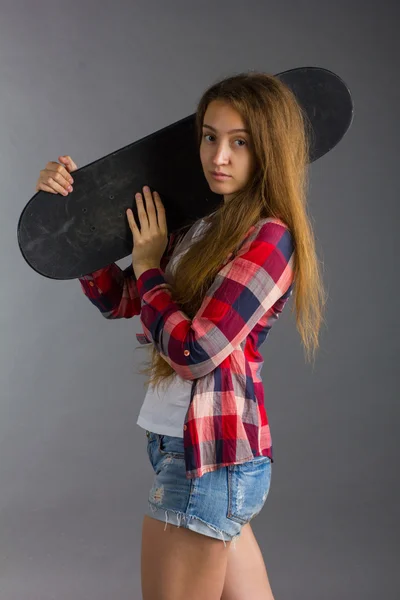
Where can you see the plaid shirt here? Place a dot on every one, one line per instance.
(218, 350)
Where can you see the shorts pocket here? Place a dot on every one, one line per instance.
(152, 446)
(172, 446)
(248, 487)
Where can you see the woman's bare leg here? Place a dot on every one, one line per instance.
(246, 575)
(178, 564)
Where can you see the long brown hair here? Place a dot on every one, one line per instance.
(279, 133)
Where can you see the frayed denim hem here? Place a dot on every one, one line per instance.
(191, 522)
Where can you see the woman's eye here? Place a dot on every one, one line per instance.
(237, 140)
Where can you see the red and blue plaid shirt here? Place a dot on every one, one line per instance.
(218, 350)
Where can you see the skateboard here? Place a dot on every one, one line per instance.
(68, 237)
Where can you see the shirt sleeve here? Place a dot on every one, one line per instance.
(244, 290)
(113, 291)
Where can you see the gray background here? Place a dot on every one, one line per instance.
(86, 78)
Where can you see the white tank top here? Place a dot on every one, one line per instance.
(162, 411)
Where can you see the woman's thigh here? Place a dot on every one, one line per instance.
(177, 563)
(246, 575)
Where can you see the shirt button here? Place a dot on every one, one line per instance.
(186, 353)
(91, 283)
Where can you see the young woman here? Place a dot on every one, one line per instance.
(207, 299)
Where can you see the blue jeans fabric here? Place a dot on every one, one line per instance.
(217, 504)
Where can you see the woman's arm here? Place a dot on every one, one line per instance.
(113, 290)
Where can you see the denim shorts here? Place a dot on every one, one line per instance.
(217, 504)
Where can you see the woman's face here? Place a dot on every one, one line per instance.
(224, 150)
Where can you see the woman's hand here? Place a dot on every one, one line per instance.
(152, 239)
(55, 178)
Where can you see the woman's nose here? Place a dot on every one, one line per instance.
(221, 155)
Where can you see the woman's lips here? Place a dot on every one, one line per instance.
(219, 176)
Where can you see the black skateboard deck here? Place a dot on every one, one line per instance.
(68, 237)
